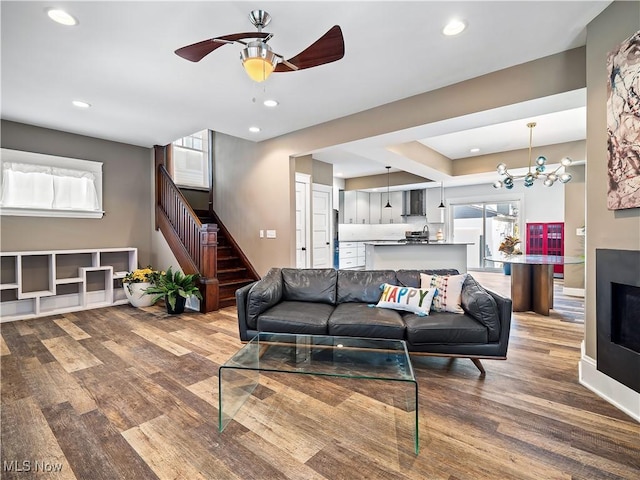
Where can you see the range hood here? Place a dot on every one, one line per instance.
(415, 202)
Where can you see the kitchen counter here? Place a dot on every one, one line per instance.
(396, 255)
(402, 242)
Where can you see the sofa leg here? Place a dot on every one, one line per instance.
(476, 362)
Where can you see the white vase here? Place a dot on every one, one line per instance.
(136, 295)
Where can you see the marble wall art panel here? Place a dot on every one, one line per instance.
(623, 124)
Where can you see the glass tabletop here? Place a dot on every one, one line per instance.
(350, 357)
(346, 357)
(535, 259)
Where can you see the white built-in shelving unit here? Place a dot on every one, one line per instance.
(40, 283)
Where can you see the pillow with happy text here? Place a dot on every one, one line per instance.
(449, 289)
(416, 300)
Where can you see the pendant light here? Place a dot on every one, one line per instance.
(534, 174)
(441, 195)
(388, 205)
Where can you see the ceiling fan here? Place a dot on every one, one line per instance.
(259, 60)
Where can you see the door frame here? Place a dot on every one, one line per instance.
(319, 187)
(305, 180)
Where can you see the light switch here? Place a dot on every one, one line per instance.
(261, 233)
(271, 234)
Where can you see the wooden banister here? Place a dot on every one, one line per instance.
(193, 244)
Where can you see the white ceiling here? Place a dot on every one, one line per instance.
(120, 59)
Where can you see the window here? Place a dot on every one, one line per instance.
(191, 161)
(34, 184)
(484, 225)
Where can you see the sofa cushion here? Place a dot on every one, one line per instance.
(264, 294)
(416, 300)
(444, 327)
(296, 317)
(309, 285)
(360, 320)
(480, 305)
(411, 278)
(448, 296)
(363, 285)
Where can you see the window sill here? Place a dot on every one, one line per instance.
(39, 212)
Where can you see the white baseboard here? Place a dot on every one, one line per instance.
(617, 394)
(573, 292)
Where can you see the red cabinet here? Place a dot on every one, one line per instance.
(546, 239)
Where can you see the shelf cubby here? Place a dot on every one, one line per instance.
(39, 283)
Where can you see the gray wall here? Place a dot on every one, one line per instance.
(126, 195)
(605, 228)
(574, 218)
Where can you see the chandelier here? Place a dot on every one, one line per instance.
(534, 173)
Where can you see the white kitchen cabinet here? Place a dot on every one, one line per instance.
(393, 214)
(351, 255)
(39, 283)
(350, 215)
(362, 207)
(375, 207)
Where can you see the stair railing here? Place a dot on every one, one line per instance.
(193, 244)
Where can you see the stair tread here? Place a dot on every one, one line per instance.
(231, 270)
(235, 281)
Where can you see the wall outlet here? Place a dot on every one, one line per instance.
(271, 234)
(261, 233)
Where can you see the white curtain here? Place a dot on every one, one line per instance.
(37, 186)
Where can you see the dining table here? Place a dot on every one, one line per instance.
(532, 279)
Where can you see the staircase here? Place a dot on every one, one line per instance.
(200, 242)
(233, 271)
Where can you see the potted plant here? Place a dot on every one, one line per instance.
(136, 283)
(175, 288)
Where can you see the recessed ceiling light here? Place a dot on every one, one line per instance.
(339, 174)
(270, 103)
(454, 27)
(80, 104)
(474, 150)
(61, 17)
(254, 129)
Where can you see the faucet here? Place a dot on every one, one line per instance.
(425, 229)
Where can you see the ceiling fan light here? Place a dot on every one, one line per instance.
(258, 61)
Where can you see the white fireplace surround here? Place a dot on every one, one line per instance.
(614, 392)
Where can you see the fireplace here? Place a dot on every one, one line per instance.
(618, 315)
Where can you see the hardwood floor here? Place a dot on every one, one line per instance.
(132, 393)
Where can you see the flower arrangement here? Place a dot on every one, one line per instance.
(508, 245)
(142, 275)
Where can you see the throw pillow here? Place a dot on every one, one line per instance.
(449, 289)
(416, 300)
(479, 304)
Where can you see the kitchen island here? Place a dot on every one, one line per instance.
(415, 255)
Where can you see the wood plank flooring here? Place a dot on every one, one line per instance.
(125, 393)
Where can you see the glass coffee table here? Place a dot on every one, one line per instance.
(345, 357)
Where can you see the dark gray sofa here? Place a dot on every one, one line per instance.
(338, 302)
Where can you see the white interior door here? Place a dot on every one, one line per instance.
(302, 220)
(321, 238)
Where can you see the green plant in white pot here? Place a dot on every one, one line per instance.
(175, 288)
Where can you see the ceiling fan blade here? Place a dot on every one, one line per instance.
(327, 49)
(198, 51)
